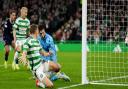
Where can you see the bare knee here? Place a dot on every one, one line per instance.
(54, 66)
(58, 67)
(7, 49)
(49, 85)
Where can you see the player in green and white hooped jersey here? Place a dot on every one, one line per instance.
(33, 51)
(20, 32)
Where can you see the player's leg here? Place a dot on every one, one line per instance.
(42, 80)
(8, 42)
(54, 66)
(7, 50)
(46, 82)
(53, 75)
(50, 66)
(13, 45)
(16, 55)
(15, 61)
(58, 75)
(41, 84)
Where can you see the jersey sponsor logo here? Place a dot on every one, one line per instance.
(41, 75)
(22, 23)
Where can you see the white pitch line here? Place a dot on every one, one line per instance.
(108, 84)
(110, 79)
(70, 86)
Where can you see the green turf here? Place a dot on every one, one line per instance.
(71, 65)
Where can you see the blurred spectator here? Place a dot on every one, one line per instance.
(112, 19)
(54, 13)
(0, 34)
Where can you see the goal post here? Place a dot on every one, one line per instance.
(105, 33)
(84, 42)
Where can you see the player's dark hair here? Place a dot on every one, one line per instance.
(33, 28)
(12, 11)
(42, 27)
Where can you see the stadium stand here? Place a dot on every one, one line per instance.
(62, 17)
(107, 19)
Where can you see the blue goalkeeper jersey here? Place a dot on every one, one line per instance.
(47, 44)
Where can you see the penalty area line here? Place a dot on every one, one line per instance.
(75, 85)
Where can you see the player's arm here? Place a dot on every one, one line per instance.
(15, 26)
(44, 53)
(24, 53)
(51, 46)
(23, 58)
(28, 29)
(14, 35)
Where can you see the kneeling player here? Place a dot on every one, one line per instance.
(32, 50)
(47, 43)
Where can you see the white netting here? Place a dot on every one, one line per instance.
(107, 27)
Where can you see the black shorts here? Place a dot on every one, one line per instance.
(8, 41)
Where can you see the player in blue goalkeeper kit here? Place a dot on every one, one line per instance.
(47, 43)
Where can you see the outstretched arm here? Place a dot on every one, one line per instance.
(23, 58)
(24, 53)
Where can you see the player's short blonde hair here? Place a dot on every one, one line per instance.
(24, 8)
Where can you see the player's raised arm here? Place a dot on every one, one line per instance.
(24, 53)
(23, 58)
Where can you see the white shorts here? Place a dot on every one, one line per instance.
(40, 73)
(19, 43)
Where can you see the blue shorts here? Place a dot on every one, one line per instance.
(52, 57)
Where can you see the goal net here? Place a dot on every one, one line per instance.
(107, 41)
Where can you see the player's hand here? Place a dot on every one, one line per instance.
(23, 60)
(47, 54)
(50, 52)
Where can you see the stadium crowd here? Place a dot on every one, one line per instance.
(62, 17)
(107, 20)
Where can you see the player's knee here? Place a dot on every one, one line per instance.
(57, 68)
(7, 51)
(50, 85)
(54, 66)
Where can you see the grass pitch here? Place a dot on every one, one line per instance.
(71, 65)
